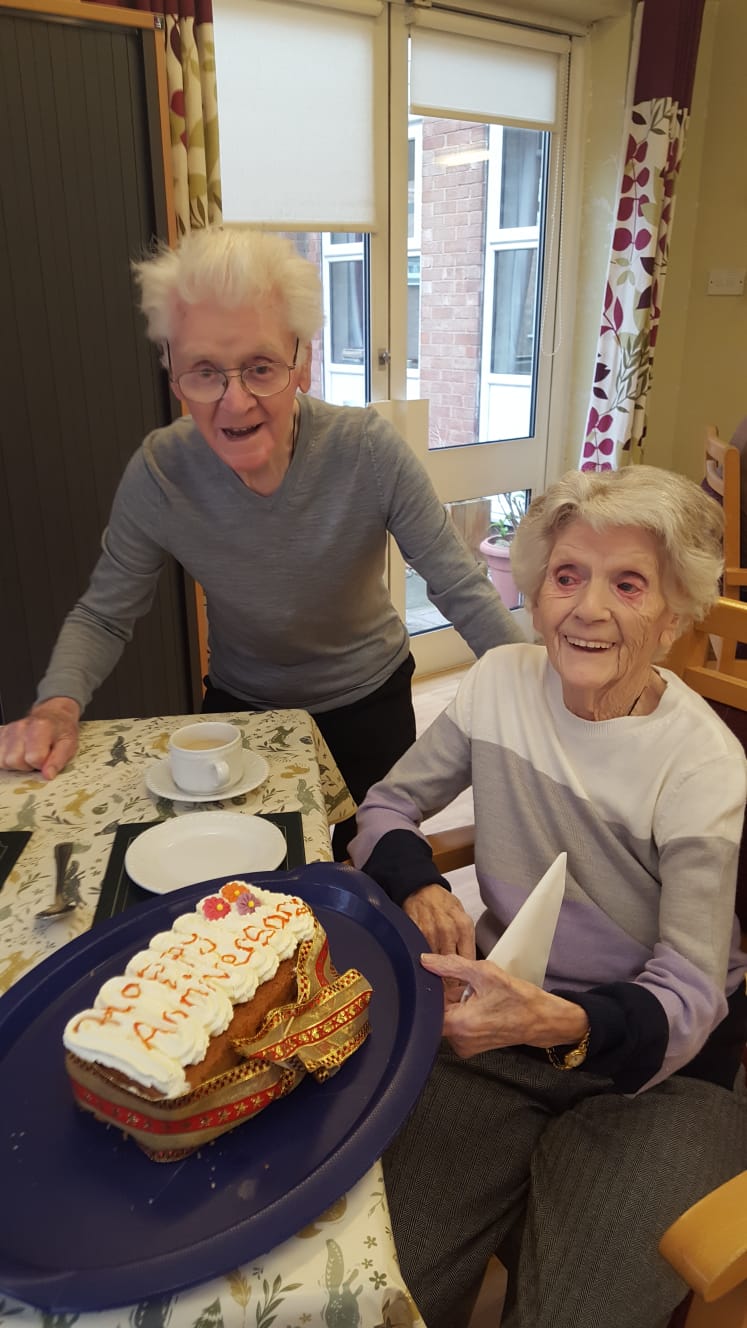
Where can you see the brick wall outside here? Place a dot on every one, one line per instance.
(451, 280)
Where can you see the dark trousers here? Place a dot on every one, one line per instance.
(365, 738)
(573, 1183)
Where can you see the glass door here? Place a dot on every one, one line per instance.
(474, 313)
(434, 220)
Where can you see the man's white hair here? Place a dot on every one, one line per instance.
(235, 266)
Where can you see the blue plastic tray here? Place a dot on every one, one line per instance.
(89, 1222)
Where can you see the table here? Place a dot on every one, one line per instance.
(341, 1271)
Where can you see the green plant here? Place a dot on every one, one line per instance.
(503, 528)
(508, 509)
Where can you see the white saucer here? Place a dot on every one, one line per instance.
(200, 845)
(158, 780)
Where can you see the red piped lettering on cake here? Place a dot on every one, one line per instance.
(107, 1015)
(202, 944)
(157, 973)
(147, 1033)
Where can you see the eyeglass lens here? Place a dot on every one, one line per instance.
(262, 380)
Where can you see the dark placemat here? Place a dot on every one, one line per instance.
(12, 844)
(118, 892)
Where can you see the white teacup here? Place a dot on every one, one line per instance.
(206, 757)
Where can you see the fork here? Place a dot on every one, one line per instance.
(60, 904)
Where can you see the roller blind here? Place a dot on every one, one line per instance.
(484, 71)
(296, 96)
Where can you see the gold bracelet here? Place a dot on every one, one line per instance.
(573, 1058)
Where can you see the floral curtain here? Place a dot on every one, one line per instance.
(193, 107)
(657, 122)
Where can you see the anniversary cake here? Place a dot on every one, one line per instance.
(217, 1018)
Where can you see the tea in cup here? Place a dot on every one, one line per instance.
(206, 757)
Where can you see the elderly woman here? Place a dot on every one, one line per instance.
(568, 1125)
(279, 506)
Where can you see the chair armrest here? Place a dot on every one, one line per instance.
(707, 1245)
(453, 848)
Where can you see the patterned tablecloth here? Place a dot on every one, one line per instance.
(341, 1271)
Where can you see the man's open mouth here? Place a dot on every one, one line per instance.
(240, 433)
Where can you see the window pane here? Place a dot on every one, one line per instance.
(520, 178)
(486, 525)
(413, 312)
(410, 189)
(339, 369)
(346, 311)
(481, 206)
(514, 301)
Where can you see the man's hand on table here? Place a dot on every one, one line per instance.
(45, 740)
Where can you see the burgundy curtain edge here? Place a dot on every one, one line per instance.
(666, 63)
(200, 10)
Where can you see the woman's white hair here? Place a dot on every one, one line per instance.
(686, 522)
(234, 265)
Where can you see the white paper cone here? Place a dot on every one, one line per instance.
(524, 948)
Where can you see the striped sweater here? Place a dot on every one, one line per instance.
(649, 811)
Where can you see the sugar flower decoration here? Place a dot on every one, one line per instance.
(232, 890)
(214, 907)
(245, 903)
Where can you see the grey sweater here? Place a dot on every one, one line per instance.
(298, 611)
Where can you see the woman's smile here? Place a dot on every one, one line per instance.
(589, 645)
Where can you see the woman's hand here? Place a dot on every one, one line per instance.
(447, 927)
(502, 1011)
(45, 740)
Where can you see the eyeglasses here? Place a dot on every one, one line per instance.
(265, 379)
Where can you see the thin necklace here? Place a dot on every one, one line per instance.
(635, 703)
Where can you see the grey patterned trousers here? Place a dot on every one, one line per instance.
(571, 1182)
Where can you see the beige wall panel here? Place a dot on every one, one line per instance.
(700, 372)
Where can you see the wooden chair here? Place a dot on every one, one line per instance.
(721, 682)
(723, 476)
(707, 1245)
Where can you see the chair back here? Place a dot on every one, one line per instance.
(723, 686)
(723, 476)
